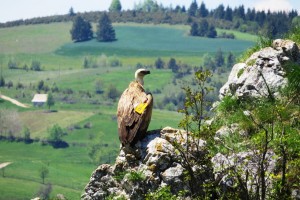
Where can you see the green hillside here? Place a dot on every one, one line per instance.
(150, 41)
(77, 104)
(51, 44)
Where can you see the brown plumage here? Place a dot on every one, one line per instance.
(132, 126)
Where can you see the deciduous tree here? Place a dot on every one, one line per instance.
(56, 134)
(115, 6)
(26, 133)
(112, 92)
(50, 100)
(43, 173)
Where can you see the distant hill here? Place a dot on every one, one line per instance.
(238, 18)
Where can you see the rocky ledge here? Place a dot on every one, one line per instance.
(153, 163)
(267, 65)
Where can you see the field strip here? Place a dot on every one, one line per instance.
(39, 182)
(14, 101)
(2, 165)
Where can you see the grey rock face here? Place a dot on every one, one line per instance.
(247, 163)
(265, 67)
(153, 163)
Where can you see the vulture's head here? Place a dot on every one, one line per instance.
(139, 75)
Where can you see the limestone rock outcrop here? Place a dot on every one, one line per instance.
(262, 68)
(151, 164)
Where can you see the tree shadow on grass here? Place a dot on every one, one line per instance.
(59, 144)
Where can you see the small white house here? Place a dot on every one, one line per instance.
(39, 99)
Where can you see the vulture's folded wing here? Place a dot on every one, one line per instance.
(129, 121)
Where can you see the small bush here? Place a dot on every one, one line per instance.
(112, 92)
(240, 72)
(12, 64)
(36, 66)
(228, 104)
(9, 84)
(251, 62)
(19, 86)
(114, 61)
(87, 125)
(161, 193)
(227, 35)
(102, 61)
(294, 34)
(136, 176)
(114, 197)
(120, 175)
(77, 126)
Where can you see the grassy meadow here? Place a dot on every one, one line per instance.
(78, 104)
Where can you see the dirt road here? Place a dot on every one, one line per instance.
(13, 101)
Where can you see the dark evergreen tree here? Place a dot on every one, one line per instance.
(209, 63)
(230, 60)
(193, 9)
(269, 14)
(2, 81)
(250, 15)
(276, 25)
(71, 12)
(41, 85)
(183, 10)
(173, 65)
(260, 17)
(105, 31)
(177, 9)
(240, 12)
(212, 33)
(219, 12)
(203, 28)
(115, 6)
(219, 58)
(81, 30)
(228, 14)
(159, 63)
(293, 14)
(203, 12)
(194, 29)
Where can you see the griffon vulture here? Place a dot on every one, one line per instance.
(134, 111)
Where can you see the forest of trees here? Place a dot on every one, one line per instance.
(149, 11)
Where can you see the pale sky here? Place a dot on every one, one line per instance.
(24, 9)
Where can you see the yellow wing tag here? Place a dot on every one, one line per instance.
(141, 108)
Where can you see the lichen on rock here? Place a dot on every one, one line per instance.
(248, 79)
(154, 163)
